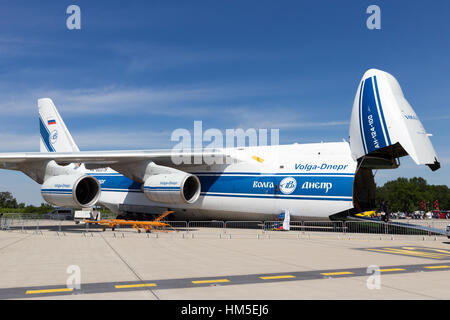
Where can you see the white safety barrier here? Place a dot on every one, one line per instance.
(206, 226)
(426, 229)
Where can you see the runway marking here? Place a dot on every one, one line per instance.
(417, 253)
(426, 248)
(421, 252)
(277, 277)
(440, 250)
(210, 281)
(337, 273)
(187, 283)
(392, 270)
(437, 267)
(49, 291)
(142, 285)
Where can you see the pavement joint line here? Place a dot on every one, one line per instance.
(14, 242)
(128, 265)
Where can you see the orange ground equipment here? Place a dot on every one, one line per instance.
(148, 226)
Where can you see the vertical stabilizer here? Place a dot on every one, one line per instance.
(54, 134)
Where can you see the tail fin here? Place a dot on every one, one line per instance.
(54, 134)
(384, 126)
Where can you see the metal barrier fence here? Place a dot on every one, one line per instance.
(244, 228)
(323, 226)
(307, 226)
(365, 227)
(207, 226)
(380, 228)
(259, 225)
(178, 225)
(432, 223)
(440, 224)
(431, 228)
(5, 223)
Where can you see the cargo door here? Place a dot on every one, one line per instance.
(384, 127)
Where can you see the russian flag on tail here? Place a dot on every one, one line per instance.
(50, 122)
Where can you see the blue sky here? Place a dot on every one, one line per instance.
(137, 70)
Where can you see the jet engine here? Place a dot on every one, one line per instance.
(174, 188)
(78, 191)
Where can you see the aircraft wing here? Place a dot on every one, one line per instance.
(112, 158)
(133, 164)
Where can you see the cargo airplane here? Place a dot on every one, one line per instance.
(314, 180)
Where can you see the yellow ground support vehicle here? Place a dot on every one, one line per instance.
(367, 214)
(148, 226)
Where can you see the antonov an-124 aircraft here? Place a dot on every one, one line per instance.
(314, 180)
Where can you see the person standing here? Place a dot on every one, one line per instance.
(387, 211)
(382, 208)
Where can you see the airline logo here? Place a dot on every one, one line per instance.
(318, 185)
(323, 166)
(62, 185)
(263, 184)
(411, 117)
(288, 185)
(53, 136)
(168, 183)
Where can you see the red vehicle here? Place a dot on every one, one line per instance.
(440, 214)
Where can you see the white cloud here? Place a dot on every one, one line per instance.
(101, 140)
(281, 118)
(11, 142)
(174, 101)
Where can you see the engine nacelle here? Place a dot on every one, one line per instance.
(172, 188)
(80, 191)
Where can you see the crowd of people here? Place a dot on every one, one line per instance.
(385, 214)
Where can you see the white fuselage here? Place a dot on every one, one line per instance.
(308, 180)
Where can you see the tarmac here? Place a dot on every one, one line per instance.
(208, 264)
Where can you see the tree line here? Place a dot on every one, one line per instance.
(8, 204)
(406, 195)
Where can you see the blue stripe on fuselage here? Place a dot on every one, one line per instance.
(260, 184)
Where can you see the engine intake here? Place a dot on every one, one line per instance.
(172, 188)
(79, 191)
